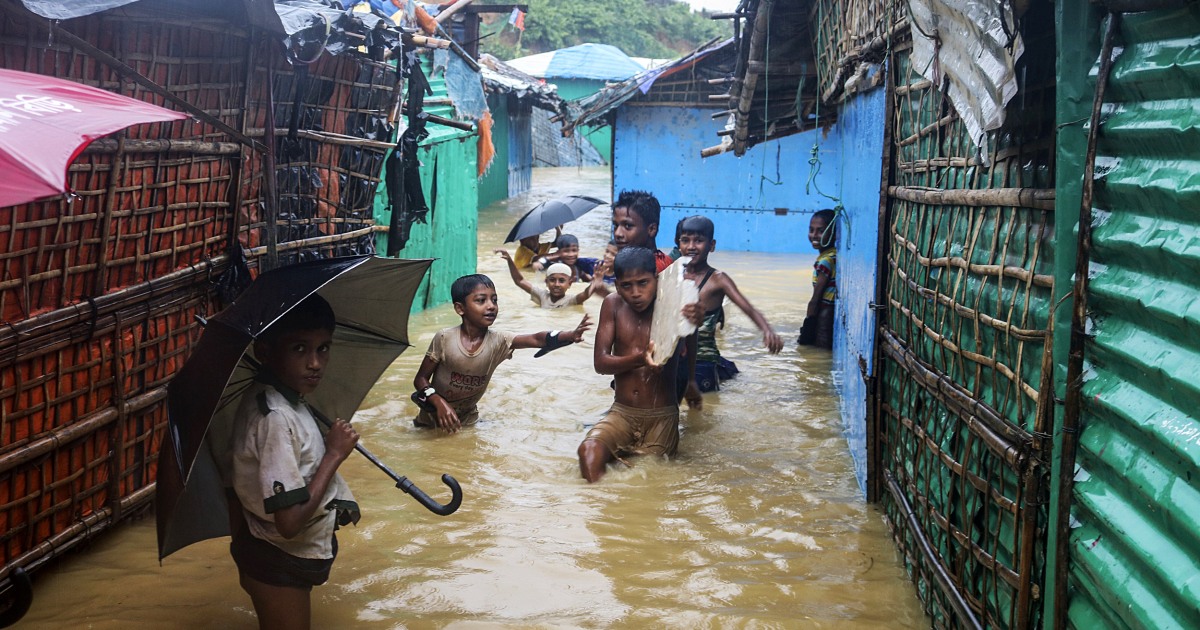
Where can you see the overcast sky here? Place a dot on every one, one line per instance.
(713, 5)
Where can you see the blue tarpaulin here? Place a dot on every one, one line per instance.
(585, 61)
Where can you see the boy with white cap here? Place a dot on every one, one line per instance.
(558, 280)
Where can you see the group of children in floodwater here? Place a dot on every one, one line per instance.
(285, 473)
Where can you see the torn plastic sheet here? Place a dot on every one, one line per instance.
(313, 27)
(974, 46)
(464, 86)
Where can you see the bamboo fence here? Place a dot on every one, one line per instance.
(961, 438)
(101, 290)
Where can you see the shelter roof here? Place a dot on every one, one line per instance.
(505, 79)
(585, 61)
(712, 61)
(306, 23)
(774, 92)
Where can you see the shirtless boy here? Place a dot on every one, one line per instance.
(644, 418)
(696, 241)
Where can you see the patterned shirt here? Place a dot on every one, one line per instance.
(827, 264)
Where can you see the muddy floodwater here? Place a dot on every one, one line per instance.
(759, 523)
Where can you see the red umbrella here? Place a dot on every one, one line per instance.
(46, 122)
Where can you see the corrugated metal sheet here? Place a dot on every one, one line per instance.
(859, 132)
(520, 147)
(1135, 554)
(760, 203)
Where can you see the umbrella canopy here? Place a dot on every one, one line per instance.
(550, 214)
(45, 123)
(371, 298)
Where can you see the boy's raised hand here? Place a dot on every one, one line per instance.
(503, 254)
(584, 325)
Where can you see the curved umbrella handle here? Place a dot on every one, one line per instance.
(424, 499)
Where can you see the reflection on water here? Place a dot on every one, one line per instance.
(758, 523)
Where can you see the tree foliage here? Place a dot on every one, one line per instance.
(640, 28)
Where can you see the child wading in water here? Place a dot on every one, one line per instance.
(460, 361)
(568, 254)
(285, 473)
(818, 320)
(696, 240)
(644, 418)
(558, 280)
(635, 224)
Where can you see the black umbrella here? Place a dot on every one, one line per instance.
(550, 214)
(371, 298)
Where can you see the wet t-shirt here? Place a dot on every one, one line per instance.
(461, 377)
(541, 297)
(277, 448)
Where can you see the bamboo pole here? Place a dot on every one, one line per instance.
(163, 145)
(1009, 271)
(317, 241)
(1036, 198)
(1023, 334)
(79, 428)
(451, 10)
(1073, 403)
(1006, 440)
(847, 64)
(941, 578)
(745, 95)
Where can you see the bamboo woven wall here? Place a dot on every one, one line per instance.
(844, 29)
(100, 291)
(962, 414)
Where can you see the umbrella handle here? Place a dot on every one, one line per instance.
(430, 504)
(402, 482)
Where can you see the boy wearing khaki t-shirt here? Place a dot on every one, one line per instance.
(459, 363)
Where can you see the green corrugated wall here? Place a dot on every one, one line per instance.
(449, 156)
(1135, 506)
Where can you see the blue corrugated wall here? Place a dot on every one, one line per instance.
(658, 149)
(858, 136)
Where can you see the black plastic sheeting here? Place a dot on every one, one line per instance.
(259, 13)
(300, 174)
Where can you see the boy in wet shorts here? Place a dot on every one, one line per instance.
(644, 418)
(285, 478)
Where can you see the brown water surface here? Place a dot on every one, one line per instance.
(758, 523)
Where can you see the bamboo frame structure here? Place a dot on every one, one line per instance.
(101, 290)
(965, 339)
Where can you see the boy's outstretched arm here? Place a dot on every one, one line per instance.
(447, 419)
(586, 293)
(517, 278)
(545, 339)
(770, 339)
(339, 443)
